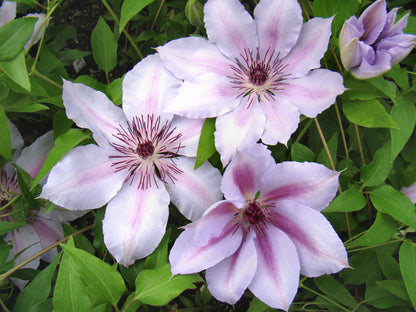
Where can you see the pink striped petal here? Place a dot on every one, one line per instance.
(190, 129)
(135, 222)
(32, 157)
(189, 256)
(278, 25)
(230, 27)
(188, 58)
(238, 129)
(228, 280)
(315, 92)
(7, 12)
(373, 19)
(311, 184)
(282, 120)
(49, 232)
(209, 95)
(310, 47)
(276, 279)
(320, 249)
(241, 180)
(83, 179)
(148, 88)
(93, 110)
(194, 191)
(24, 238)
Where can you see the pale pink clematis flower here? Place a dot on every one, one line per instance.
(257, 75)
(8, 13)
(42, 229)
(373, 43)
(266, 231)
(143, 161)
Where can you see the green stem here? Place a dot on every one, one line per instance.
(344, 141)
(20, 265)
(303, 131)
(323, 297)
(130, 39)
(157, 14)
(4, 306)
(44, 78)
(360, 148)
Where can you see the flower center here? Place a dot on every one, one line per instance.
(257, 76)
(147, 149)
(254, 216)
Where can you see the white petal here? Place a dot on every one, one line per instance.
(60, 214)
(278, 24)
(282, 120)
(16, 138)
(373, 18)
(310, 47)
(190, 128)
(148, 88)
(230, 27)
(237, 129)
(37, 30)
(135, 222)
(320, 249)
(209, 95)
(410, 192)
(228, 280)
(315, 92)
(93, 110)
(24, 238)
(7, 12)
(49, 232)
(241, 180)
(277, 276)
(188, 58)
(198, 249)
(194, 191)
(83, 179)
(32, 157)
(311, 184)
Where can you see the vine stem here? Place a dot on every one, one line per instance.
(44, 78)
(344, 141)
(4, 306)
(328, 153)
(130, 39)
(157, 14)
(323, 297)
(360, 148)
(63, 240)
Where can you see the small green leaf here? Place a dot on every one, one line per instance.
(407, 260)
(103, 282)
(300, 152)
(206, 145)
(387, 87)
(14, 35)
(104, 46)
(129, 9)
(5, 139)
(388, 200)
(383, 228)
(258, 306)
(6, 226)
(194, 12)
(63, 144)
(350, 200)
(370, 114)
(395, 287)
(24, 180)
(38, 290)
(158, 287)
(380, 298)
(334, 289)
(15, 69)
(399, 75)
(377, 171)
(160, 256)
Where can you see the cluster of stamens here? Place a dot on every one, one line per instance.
(147, 148)
(258, 76)
(8, 189)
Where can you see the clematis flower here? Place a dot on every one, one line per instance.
(142, 161)
(373, 43)
(267, 230)
(42, 229)
(257, 75)
(8, 13)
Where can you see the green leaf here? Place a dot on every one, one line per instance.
(383, 228)
(380, 298)
(158, 287)
(389, 89)
(5, 138)
(342, 9)
(388, 264)
(70, 294)
(258, 306)
(206, 145)
(14, 35)
(16, 70)
(24, 180)
(407, 257)
(350, 200)
(103, 282)
(404, 114)
(300, 152)
(370, 114)
(194, 12)
(377, 171)
(332, 146)
(399, 75)
(395, 287)
(63, 144)
(160, 256)
(388, 200)
(6, 226)
(334, 289)
(129, 9)
(38, 290)
(104, 46)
